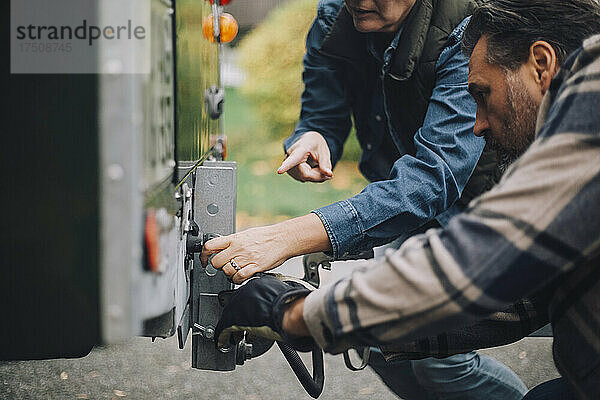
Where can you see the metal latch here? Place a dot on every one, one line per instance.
(214, 98)
(207, 332)
(312, 262)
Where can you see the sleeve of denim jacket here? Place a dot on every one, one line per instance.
(325, 108)
(420, 187)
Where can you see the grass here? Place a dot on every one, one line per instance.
(265, 197)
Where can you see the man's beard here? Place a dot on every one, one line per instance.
(518, 126)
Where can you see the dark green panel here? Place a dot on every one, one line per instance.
(197, 70)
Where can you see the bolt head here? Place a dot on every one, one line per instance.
(115, 172)
(209, 333)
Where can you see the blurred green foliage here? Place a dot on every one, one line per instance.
(271, 55)
(263, 196)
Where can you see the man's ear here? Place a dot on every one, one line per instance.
(544, 61)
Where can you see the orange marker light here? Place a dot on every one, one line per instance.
(219, 142)
(229, 28)
(152, 242)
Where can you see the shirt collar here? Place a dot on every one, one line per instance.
(389, 52)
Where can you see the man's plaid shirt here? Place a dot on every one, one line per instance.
(538, 229)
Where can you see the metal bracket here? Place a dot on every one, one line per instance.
(214, 212)
(311, 263)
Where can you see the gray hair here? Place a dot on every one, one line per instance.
(512, 26)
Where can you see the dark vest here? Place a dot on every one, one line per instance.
(409, 84)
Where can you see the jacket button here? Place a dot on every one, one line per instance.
(369, 146)
(378, 118)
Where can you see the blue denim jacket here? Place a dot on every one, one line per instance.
(417, 189)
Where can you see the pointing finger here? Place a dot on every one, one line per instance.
(298, 156)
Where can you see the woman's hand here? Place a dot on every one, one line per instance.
(308, 160)
(254, 250)
(243, 254)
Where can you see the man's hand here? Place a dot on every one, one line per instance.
(258, 308)
(246, 253)
(308, 160)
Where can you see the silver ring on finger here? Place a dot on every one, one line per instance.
(235, 265)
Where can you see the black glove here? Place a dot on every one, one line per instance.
(258, 308)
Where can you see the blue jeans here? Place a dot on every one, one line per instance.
(462, 376)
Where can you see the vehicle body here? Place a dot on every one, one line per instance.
(103, 175)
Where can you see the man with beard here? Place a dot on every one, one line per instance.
(538, 229)
(518, 128)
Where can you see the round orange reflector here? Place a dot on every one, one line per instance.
(229, 28)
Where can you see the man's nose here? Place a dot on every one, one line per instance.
(481, 124)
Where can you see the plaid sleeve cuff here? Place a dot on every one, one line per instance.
(315, 316)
